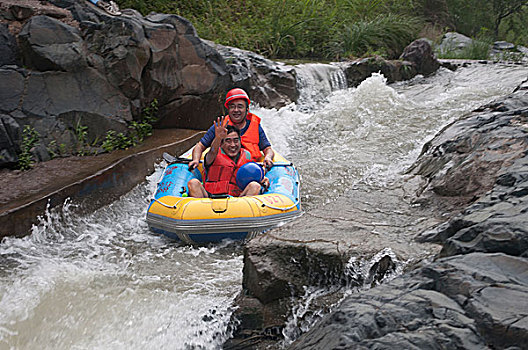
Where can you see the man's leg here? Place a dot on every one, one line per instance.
(252, 189)
(196, 189)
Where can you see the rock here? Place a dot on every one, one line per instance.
(202, 77)
(503, 45)
(10, 135)
(101, 71)
(462, 163)
(495, 223)
(473, 301)
(420, 53)
(523, 50)
(334, 251)
(8, 48)
(11, 89)
(453, 42)
(48, 44)
(359, 70)
(269, 84)
(21, 11)
(417, 58)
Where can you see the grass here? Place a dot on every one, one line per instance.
(477, 50)
(316, 29)
(385, 35)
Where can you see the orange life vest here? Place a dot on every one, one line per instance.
(250, 139)
(221, 175)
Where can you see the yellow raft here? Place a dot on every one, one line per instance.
(197, 220)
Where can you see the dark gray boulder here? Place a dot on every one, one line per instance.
(10, 135)
(474, 301)
(420, 54)
(268, 83)
(48, 44)
(11, 89)
(463, 162)
(359, 70)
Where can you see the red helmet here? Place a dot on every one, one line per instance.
(236, 94)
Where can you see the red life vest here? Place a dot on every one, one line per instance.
(221, 175)
(250, 139)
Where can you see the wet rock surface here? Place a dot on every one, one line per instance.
(473, 301)
(343, 245)
(270, 84)
(464, 201)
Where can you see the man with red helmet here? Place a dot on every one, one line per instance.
(254, 138)
(222, 163)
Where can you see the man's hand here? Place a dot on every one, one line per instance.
(268, 163)
(220, 128)
(196, 156)
(265, 182)
(193, 164)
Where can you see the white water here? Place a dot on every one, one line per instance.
(103, 281)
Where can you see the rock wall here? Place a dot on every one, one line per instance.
(67, 63)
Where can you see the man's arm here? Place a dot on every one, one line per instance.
(201, 146)
(220, 134)
(265, 148)
(269, 154)
(213, 152)
(196, 155)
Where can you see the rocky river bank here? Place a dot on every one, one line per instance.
(465, 201)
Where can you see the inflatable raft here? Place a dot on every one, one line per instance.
(197, 220)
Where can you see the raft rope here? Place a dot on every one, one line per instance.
(260, 200)
(169, 206)
(277, 208)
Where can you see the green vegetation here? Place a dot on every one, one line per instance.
(56, 150)
(30, 139)
(116, 140)
(333, 29)
(140, 130)
(81, 133)
(143, 129)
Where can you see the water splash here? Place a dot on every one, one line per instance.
(318, 301)
(110, 283)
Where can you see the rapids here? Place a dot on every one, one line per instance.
(103, 281)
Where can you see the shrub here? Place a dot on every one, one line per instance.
(30, 139)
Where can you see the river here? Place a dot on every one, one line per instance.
(103, 281)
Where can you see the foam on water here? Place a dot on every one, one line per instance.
(104, 281)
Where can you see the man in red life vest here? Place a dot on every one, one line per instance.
(252, 135)
(222, 163)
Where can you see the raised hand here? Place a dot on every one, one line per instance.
(220, 128)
